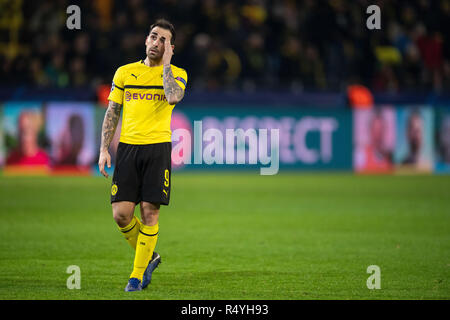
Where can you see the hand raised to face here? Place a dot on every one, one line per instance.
(168, 52)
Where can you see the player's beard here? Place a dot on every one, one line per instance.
(154, 56)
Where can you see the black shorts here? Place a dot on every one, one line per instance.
(142, 173)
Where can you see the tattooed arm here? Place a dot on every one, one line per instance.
(110, 122)
(174, 93)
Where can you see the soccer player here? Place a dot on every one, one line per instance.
(147, 91)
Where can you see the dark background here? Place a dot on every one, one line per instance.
(239, 46)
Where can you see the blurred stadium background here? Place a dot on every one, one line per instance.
(348, 101)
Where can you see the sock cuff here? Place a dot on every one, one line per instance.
(149, 230)
(135, 223)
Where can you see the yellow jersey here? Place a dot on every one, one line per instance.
(146, 112)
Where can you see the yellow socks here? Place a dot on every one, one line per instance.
(131, 231)
(146, 243)
(143, 239)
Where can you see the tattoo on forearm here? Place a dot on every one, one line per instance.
(110, 122)
(174, 93)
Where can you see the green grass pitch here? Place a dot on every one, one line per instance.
(233, 236)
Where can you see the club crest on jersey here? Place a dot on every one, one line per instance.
(144, 96)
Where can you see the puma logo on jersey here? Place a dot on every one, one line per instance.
(135, 76)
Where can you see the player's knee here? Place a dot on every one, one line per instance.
(123, 213)
(121, 218)
(149, 213)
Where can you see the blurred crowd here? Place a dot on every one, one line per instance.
(247, 45)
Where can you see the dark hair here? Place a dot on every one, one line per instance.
(163, 23)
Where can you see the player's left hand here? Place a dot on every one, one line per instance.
(168, 52)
